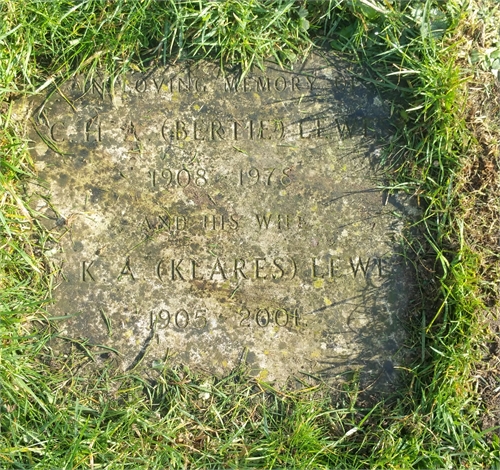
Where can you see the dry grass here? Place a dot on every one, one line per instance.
(478, 187)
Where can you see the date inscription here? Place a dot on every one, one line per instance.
(200, 318)
(267, 176)
(264, 317)
(178, 178)
(180, 319)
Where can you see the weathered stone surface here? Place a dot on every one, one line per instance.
(212, 218)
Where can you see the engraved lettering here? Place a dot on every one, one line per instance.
(231, 84)
(201, 179)
(280, 84)
(222, 222)
(152, 173)
(220, 179)
(175, 270)
(379, 265)
(276, 263)
(181, 319)
(296, 317)
(239, 264)
(233, 222)
(314, 271)
(262, 127)
(92, 128)
(180, 130)
(165, 132)
(332, 271)
(294, 264)
(258, 268)
(158, 270)
(197, 85)
(164, 316)
(313, 132)
(343, 129)
(254, 174)
(53, 133)
(286, 221)
(86, 274)
(218, 269)
(183, 178)
(278, 221)
(203, 318)
(199, 130)
(311, 81)
(281, 317)
(353, 126)
(141, 85)
(263, 222)
(212, 222)
(97, 88)
(263, 84)
(247, 86)
(245, 313)
(206, 218)
(216, 130)
(180, 222)
(262, 317)
(251, 130)
(183, 85)
(127, 270)
(150, 226)
(236, 128)
(301, 130)
(279, 126)
(193, 271)
(359, 265)
(158, 85)
(164, 221)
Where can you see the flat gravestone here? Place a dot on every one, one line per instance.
(210, 218)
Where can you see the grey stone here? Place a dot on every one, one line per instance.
(212, 219)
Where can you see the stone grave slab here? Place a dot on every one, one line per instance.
(211, 218)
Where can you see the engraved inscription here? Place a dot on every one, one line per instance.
(265, 176)
(207, 216)
(261, 84)
(180, 319)
(178, 178)
(283, 267)
(264, 317)
(217, 130)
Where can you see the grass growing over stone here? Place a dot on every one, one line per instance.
(435, 56)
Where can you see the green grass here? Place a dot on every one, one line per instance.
(61, 413)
